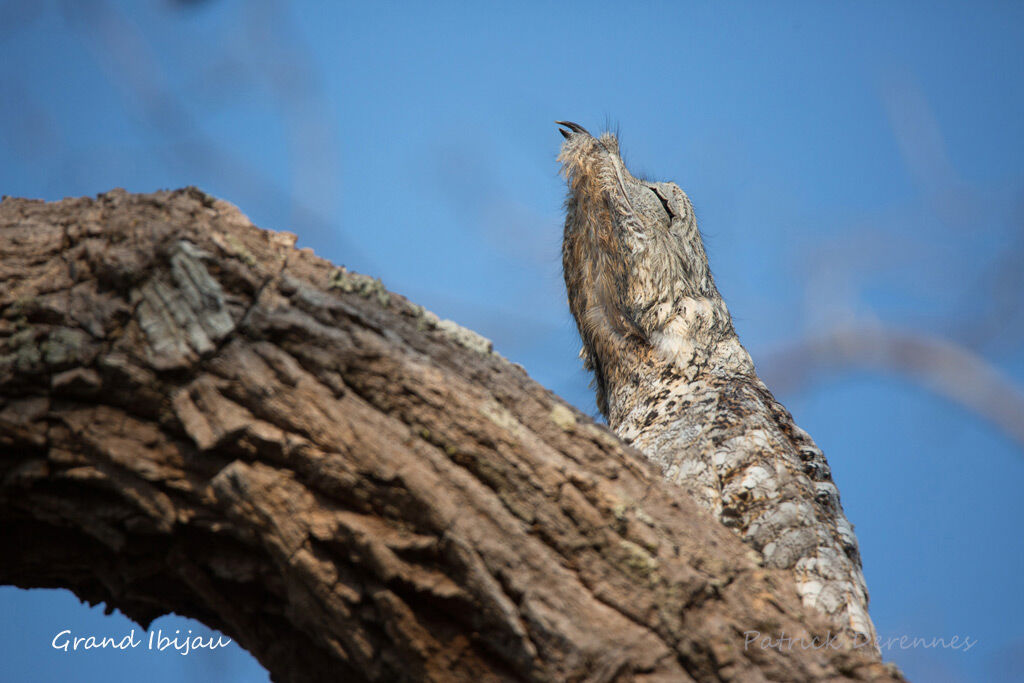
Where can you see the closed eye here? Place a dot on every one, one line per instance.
(664, 202)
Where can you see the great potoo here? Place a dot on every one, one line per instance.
(673, 379)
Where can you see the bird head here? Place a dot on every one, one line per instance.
(596, 174)
(635, 268)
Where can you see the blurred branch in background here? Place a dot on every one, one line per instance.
(998, 304)
(949, 370)
(944, 355)
(125, 54)
(948, 362)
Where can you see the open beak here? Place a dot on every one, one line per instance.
(574, 127)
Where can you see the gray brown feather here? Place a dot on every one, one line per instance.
(673, 379)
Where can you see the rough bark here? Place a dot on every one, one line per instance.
(196, 417)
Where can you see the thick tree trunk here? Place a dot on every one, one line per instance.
(196, 417)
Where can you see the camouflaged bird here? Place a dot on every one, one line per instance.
(673, 379)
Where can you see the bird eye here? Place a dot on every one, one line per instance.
(664, 203)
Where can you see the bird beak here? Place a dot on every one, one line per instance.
(574, 127)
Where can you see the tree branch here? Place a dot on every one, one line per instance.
(948, 369)
(195, 417)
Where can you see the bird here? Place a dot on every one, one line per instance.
(673, 380)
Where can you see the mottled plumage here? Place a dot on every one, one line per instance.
(673, 379)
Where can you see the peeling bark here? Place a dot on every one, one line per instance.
(196, 417)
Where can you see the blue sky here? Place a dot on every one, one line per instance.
(852, 165)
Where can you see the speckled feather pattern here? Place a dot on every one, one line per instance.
(673, 379)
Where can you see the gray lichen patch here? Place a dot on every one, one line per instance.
(63, 346)
(183, 312)
(34, 350)
(500, 416)
(21, 351)
(240, 250)
(637, 559)
(357, 283)
(464, 337)
(600, 435)
(563, 417)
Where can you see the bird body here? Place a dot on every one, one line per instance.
(673, 379)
